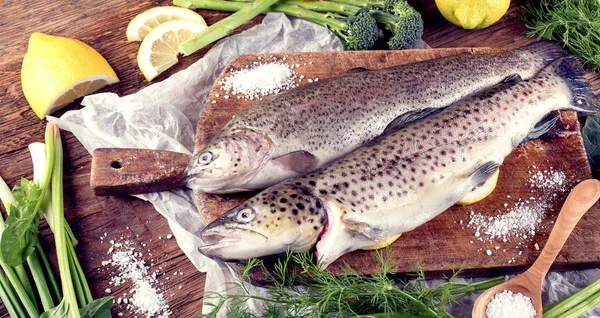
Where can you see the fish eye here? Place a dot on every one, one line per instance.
(245, 215)
(205, 158)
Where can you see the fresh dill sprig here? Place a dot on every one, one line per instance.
(300, 288)
(574, 24)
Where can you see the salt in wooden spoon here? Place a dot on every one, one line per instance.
(579, 201)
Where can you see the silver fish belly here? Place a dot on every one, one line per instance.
(305, 128)
(402, 179)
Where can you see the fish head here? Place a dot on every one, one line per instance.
(228, 162)
(278, 219)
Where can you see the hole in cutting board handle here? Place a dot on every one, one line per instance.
(116, 165)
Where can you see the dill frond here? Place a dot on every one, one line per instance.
(574, 24)
(300, 288)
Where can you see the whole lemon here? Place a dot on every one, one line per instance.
(57, 70)
(473, 14)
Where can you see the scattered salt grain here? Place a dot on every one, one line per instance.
(548, 179)
(259, 79)
(537, 247)
(108, 291)
(520, 220)
(146, 300)
(506, 304)
(169, 236)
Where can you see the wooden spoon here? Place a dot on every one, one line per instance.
(579, 201)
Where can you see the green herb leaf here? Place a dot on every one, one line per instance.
(574, 24)
(300, 288)
(98, 308)
(21, 234)
(60, 311)
(591, 140)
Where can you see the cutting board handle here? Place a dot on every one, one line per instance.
(125, 171)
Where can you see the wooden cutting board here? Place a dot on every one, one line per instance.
(445, 243)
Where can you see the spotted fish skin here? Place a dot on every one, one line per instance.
(403, 179)
(309, 126)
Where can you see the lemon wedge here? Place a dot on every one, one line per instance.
(387, 243)
(146, 21)
(481, 192)
(57, 70)
(160, 47)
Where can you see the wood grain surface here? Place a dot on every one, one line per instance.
(444, 243)
(124, 171)
(102, 25)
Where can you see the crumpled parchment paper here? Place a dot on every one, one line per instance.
(163, 116)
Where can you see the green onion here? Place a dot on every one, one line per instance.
(54, 146)
(588, 296)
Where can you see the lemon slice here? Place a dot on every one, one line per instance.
(146, 21)
(160, 47)
(57, 70)
(481, 192)
(387, 243)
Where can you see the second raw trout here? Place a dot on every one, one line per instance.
(403, 179)
(309, 126)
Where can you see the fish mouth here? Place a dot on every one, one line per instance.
(231, 244)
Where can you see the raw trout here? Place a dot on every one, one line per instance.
(402, 179)
(309, 126)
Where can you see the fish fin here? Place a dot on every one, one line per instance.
(364, 229)
(357, 70)
(299, 161)
(513, 78)
(572, 72)
(542, 127)
(548, 50)
(408, 117)
(483, 172)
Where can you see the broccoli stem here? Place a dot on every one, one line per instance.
(325, 20)
(344, 7)
(225, 26)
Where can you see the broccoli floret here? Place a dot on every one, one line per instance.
(361, 33)
(407, 28)
(396, 16)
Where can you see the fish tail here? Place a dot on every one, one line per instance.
(548, 50)
(572, 72)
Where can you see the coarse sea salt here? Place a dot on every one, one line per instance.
(523, 218)
(507, 304)
(146, 300)
(548, 179)
(520, 221)
(259, 79)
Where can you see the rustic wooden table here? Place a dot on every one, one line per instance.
(102, 25)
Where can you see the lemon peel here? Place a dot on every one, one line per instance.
(387, 243)
(160, 48)
(473, 14)
(57, 70)
(481, 192)
(145, 22)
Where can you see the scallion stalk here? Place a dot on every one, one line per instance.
(16, 276)
(561, 307)
(583, 307)
(9, 298)
(54, 148)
